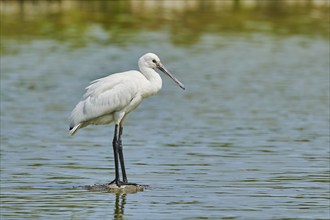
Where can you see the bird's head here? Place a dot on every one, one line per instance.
(151, 60)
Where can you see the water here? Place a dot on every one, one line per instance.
(248, 139)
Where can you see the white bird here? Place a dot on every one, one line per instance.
(111, 98)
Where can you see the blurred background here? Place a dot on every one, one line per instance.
(184, 22)
(248, 138)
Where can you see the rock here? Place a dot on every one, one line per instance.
(130, 188)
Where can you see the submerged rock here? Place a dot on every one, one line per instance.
(130, 188)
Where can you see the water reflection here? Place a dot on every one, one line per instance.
(118, 212)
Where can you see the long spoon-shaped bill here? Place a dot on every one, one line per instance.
(164, 70)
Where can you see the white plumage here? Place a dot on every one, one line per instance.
(111, 98)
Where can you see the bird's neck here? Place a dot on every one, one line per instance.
(154, 79)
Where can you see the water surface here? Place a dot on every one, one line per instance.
(248, 139)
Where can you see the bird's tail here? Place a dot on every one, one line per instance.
(74, 129)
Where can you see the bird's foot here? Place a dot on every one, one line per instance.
(117, 182)
(130, 184)
(121, 183)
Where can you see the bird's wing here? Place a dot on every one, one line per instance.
(98, 86)
(105, 96)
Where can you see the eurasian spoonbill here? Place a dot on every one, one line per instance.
(111, 98)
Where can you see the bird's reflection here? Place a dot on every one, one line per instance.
(118, 212)
(120, 194)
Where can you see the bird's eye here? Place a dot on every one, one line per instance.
(154, 61)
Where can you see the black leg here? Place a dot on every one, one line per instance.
(121, 156)
(115, 155)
